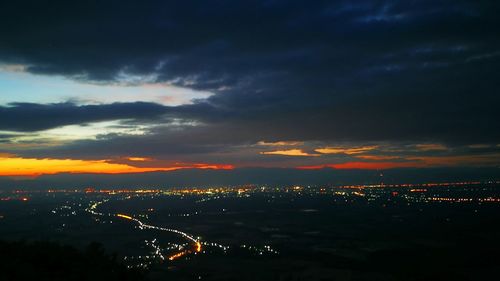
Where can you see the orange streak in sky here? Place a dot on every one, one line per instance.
(346, 150)
(18, 166)
(289, 152)
(141, 159)
(213, 166)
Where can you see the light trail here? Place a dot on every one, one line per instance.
(176, 256)
(183, 234)
(197, 244)
(142, 225)
(125, 216)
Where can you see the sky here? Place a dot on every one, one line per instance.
(119, 87)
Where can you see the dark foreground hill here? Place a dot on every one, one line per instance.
(44, 261)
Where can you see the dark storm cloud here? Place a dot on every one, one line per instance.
(34, 117)
(280, 70)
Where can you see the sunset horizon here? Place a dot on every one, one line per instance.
(257, 140)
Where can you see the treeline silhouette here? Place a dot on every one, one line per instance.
(42, 261)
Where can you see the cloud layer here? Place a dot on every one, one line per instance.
(328, 77)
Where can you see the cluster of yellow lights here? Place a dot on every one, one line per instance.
(448, 199)
(200, 191)
(429, 184)
(180, 254)
(489, 199)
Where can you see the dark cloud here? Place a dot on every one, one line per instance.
(358, 71)
(34, 117)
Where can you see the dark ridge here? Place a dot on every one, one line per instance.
(51, 261)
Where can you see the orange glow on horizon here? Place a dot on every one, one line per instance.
(32, 167)
(490, 160)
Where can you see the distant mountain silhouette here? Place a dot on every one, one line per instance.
(270, 176)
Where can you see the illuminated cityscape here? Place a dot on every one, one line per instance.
(263, 140)
(186, 231)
